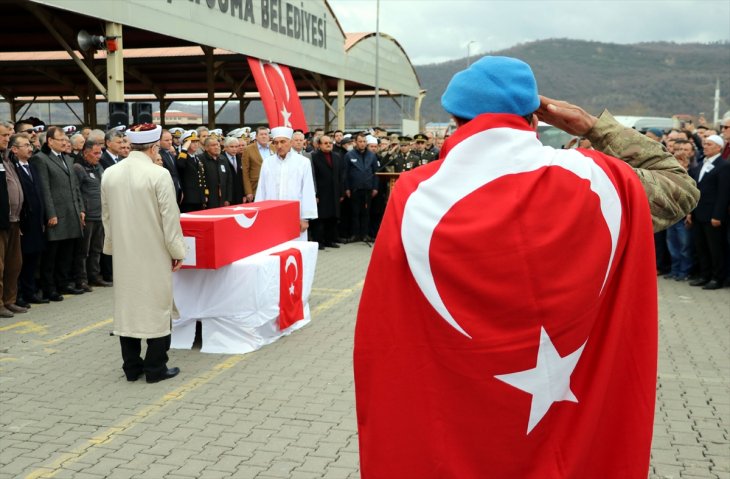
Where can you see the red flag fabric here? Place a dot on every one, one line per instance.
(291, 307)
(278, 94)
(508, 322)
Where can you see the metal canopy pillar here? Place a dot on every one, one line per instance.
(341, 104)
(242, 105)
(210, 78)
(164, 105)
(115, 65)
(417, 108)
(14, 108)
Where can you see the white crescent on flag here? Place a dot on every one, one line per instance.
(466, 168)
(242, 220)
(291, 260)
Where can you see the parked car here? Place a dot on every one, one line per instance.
(551, 136)
(643, 123)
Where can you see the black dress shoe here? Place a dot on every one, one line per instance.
(54, 297)
(699, 282)
(321, 247)
(72, 290)
(714, 284)
(170, 373)
(39, 299)
(100, 282)
(332, 245)
(22, 303)
(134, 377)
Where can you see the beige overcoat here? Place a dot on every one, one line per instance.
(143, 234)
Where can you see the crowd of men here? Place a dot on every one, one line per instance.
(51, 237)
(697, 248)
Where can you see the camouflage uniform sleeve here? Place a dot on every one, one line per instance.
(672, 193)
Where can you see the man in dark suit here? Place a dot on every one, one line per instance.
(64, 212)
(168, 154)
(329, 177)
(113, 140)
(218, 175)
(253, 157)
(32, 224)
(709, 218)
(361, 185)
(231, 148)
(114, 147)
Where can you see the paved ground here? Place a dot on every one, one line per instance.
(286, 411)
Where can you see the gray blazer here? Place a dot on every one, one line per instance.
(61, 195)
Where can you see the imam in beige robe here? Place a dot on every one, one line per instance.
(143, 234)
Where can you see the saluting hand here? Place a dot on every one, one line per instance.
(568, 117)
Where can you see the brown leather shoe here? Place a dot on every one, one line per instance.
(6, 313)
(101, 282)
(85, 287)
(14, 308)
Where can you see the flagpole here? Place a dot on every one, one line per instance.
(377, 63)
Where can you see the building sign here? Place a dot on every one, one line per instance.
(285, 18)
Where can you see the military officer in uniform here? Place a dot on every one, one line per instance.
(419, 155)
(177, 134)
(401, 161)
(192, 174)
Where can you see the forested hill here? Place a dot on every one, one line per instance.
(655, 79)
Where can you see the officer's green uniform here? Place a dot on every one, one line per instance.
(418, 157)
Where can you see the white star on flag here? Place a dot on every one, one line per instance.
(548, 381)
(286, 116)
(291, 289)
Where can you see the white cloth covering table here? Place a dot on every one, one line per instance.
(238, 304)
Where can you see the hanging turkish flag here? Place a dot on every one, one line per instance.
(278, 94)
(291, 307)
(508, 323)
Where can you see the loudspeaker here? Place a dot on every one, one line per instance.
(118, 114)
(142, 113)
(90, 42)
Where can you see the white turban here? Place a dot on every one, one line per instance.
(282, 132)
(140, 137)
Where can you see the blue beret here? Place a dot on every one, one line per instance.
(492, 85)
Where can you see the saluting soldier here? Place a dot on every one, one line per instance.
(401, 162)
(177, 134)
(419, 156)
(192, 174)
(388, 153)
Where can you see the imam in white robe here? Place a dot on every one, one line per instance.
(289, 179)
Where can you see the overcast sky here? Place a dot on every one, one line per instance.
(433, 31)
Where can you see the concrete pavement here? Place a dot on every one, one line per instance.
(286, 411)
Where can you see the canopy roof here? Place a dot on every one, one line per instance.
(165, 42)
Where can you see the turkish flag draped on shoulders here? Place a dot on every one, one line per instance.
(278, 94)
(508, 322)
